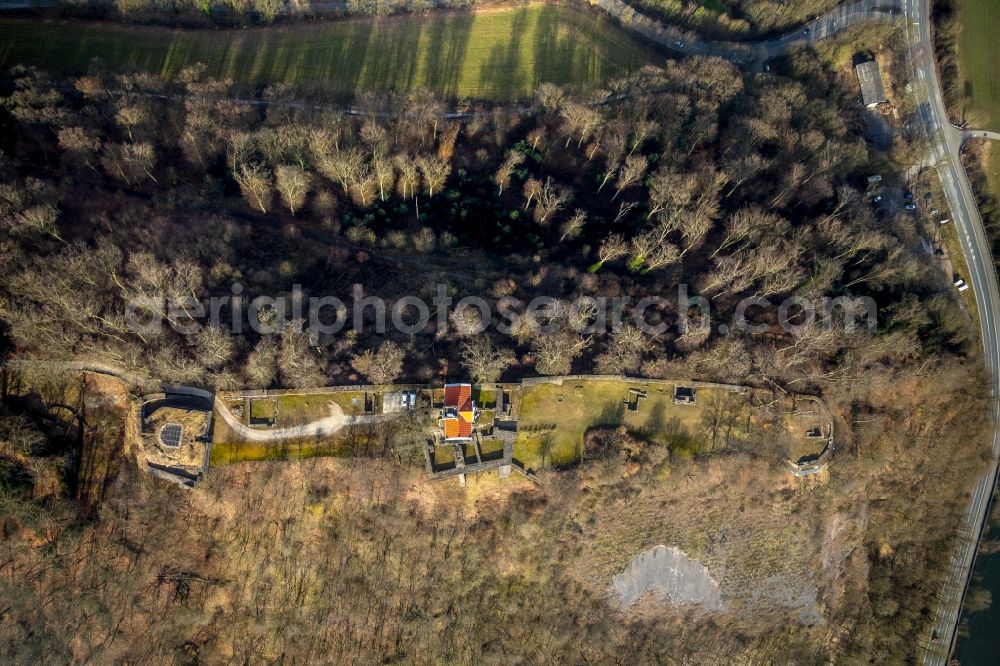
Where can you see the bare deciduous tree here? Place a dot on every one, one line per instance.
(292, 183)
(214, 347)
(262, 364)
(651, 250)
(613, 247)
(551, 199)
(130, 116)
(382, 366)
(613, 145)
(254, 180)
(572, 227)
(532, 188)
(298, 365)
(579, 121)
(631, 173)
(555, 352)
(624, 352)
(435, 172)
(409, 176)
(642, 129)
(341, 166)
(467, 321)
(506, 169)
(550, 96)
(483, 360)
(384, 175)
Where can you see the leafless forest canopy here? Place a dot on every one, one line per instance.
(118, 186)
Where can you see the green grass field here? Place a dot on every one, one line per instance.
(979, 60)
(229, 448)
(261, 408)
(497, 54)
(294, 410)
(551, 432)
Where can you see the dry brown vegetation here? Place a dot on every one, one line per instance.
(737, 185)
(363, 560)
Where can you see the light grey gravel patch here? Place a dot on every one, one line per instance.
(670, 575)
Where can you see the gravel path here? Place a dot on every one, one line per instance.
(330, 425)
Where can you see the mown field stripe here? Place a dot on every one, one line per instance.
(495, 54)
(979, 60)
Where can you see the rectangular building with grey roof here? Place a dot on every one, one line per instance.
(870, 78)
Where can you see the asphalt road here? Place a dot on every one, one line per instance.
(684, 41)
(945, 143)
(978, 134)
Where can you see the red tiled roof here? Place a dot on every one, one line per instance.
(455, 426)
(456, 395)
(450, 427)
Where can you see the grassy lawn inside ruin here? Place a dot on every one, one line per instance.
(490, 447)
(228, 448)
(261, 408)
(498, 54)
(296, 410)
(551, 432)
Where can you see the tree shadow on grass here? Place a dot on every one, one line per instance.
(612, 414)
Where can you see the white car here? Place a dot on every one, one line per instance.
(944, 221)
(960, 283)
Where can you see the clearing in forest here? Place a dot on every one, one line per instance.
(496, 54)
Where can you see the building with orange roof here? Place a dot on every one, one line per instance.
(460, 413)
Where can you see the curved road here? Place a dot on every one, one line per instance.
(967, 134)
(945, 142)
(683, 41)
